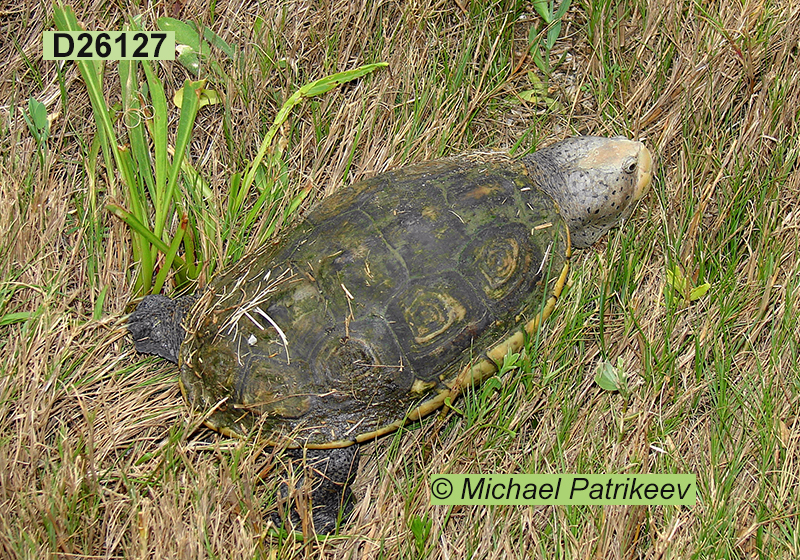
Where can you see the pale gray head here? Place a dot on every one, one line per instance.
(594, 180)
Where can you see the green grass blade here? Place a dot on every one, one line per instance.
(92, 76)
(312, 89)
(158, 133)
(142, 230)
(11, 318)
(170, 256)
(134, 120)
(97, 312)
(191, 97)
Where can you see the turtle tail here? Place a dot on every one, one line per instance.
(155, 325)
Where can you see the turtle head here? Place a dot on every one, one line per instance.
(155, 325)
(594, 180)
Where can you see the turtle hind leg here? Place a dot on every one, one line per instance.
(155, 325)
(330, 473)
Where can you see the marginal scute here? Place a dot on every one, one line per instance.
(419, 386)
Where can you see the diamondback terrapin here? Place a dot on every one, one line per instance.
(389, 297)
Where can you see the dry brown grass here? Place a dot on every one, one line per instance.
(99, 456)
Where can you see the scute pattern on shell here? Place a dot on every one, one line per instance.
(374, 304)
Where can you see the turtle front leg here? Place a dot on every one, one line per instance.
(330, 473)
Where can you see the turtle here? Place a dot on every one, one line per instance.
(388, 298)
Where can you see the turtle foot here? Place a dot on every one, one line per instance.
(327, 474)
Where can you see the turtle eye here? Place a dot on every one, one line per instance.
(629, 166)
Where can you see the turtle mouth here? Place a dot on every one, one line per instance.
(645, 172)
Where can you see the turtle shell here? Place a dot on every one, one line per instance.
(391, 296)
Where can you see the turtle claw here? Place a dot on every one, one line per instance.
(331, 472)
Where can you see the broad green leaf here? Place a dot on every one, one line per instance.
(542, 8)
(510, 361)
(185, 34)
(539, 94)
(610, 377)
(207, 96)
(38, 113)
(218, 42)
(676, 280)
(552, 34)
(187, 40)
(699, 291)
(562, 9)
(489, 386)
(421, 529)
(542, 63)
(189, 58)
(191, 46)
